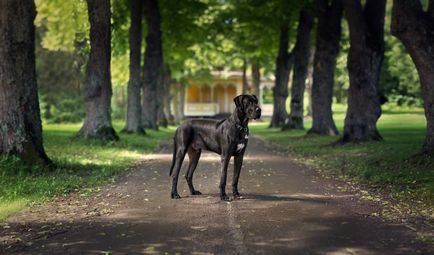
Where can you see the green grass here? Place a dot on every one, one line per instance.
(81, 165)
(388, 165)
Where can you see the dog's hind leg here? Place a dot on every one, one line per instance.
(180, 154)
(193, 156)
(182, 139)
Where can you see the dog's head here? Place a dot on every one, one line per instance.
(248, 106)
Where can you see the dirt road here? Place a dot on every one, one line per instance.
(286, 209)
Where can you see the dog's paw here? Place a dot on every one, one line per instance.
(237, 196)
(225, 198)
(196, 192)
(175, 196)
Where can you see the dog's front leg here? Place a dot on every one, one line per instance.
(238, 162)
(225, 162)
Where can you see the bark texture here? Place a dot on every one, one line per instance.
(134, 113)
(20, 119)
(415, 28)
(98, 89)
(328, 34)
(245, 89)
(256, 78)
(365, 58)
(280, 90)
(153, 65)
(301, 61)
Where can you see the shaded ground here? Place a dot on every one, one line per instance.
(286, 209)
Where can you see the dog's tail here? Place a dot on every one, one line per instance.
(174, 153)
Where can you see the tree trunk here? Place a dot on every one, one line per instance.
(153, 65)
(328, 34)
(310, 81)
(280, 91)
(414, 28)
(339, 92)
(256, 78)
(245, 89)
(364, 65)
(176, 102)
(47, 113)
(301, 61)
(134, 112)
(161, 95)
(182, 101)
(98, 89)
(168, 96)
(20, 118)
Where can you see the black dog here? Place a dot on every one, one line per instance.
(226, 137)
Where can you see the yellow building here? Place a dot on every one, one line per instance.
(216, 96)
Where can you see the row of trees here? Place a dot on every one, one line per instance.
(196, 36)
(410, 23)
(20, 123)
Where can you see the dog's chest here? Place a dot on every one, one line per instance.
(243, 137)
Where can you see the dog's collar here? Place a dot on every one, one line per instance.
(241, 128)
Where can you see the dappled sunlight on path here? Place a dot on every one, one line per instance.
(285, 209)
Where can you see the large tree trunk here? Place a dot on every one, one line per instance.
(328, 34)
(168, 95)
(364, 64)
(415, 29)
(245, 81)
(301, 61)
(153, 65)
(161, 95)
(98, 89)
(20, 118)
(280, 90)
(256, 78)
(134, 112)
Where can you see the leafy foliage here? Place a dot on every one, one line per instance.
(66, 23)
(60, 76)
(399, 78)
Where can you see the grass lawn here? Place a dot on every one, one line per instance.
(82, 165)
(389, 164)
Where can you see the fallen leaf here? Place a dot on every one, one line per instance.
(150, 248)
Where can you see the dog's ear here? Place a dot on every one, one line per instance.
(239, 101)
(256, 99)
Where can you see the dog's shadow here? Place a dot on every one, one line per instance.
(271, 198)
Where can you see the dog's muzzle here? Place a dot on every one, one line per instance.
(258, 113)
